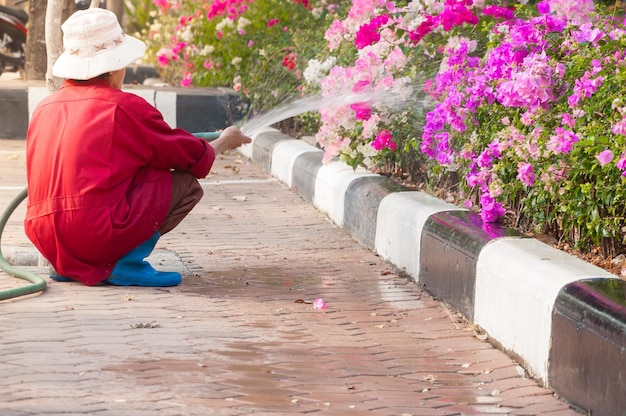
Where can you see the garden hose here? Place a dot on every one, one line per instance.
(38, 284)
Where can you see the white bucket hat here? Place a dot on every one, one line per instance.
(93, 44)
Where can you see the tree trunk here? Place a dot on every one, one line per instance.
(35, 59)
(54, 40)
(37, 56)
(117, 7)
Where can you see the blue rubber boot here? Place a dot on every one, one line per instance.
(58, 278)
(133, 270)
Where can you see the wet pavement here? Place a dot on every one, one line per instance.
(240, 335)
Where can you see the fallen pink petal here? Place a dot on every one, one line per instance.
(319, 304)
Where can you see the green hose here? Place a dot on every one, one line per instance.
(38, 284)
(209, 136)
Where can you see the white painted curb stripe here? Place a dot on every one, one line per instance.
(517, 283)
(166, 102)
(331, 183)
(35, 95)
(284, 156)
(400, 221)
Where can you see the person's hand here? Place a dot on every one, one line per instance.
(231, 138)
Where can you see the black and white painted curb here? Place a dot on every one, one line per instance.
(550, 310)
(195, 110)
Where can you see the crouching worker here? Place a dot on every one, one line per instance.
(106, 175)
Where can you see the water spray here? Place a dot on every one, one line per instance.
(380, 100)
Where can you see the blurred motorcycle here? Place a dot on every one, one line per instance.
(13, 35)
(12, 39)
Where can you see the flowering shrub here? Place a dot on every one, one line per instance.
(525, 104)
(252, 46)
(520, 102)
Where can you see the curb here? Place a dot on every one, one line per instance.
(558, 315)
(192, 109)
(562, 318)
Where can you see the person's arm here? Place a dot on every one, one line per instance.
(231, 138)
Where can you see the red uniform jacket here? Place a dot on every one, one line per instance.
(99, 164)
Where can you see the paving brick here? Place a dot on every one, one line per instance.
(233, 339)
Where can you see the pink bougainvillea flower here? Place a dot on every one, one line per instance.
(163, 5)
(620, 127)
(334, 34)
(527, 118)
(621, 164)
(587, 33)
(383, 140)
(361, 85)
(563, 141)
(525, 174)
(230, 8)
(499, 12)
(576, 11)
(368, 33)
(186, 81)
(568, 120)
(604, 157)
(422, 30)
(164, 56)
(491, 210)
(395, 60)
(543, 7)
(362, 111)
(319, 304)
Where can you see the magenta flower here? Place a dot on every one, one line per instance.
(368, 33)
(568, 120)
(499, 12)
(543, 7)
(527, 118)
(456, 14)
(232, 9)
(563, 141)
(621, 164)
(423, 29)
(587, 33)
(383, 140)
(319, 304)
(525, 174)
(163, 60)
(604, 157)
(620, 127)
(585, 87)
(485, 159)
(161, 4)
(362, 111)
(186, 81)
(491, 211)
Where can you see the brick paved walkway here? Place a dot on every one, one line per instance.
(239, 336)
